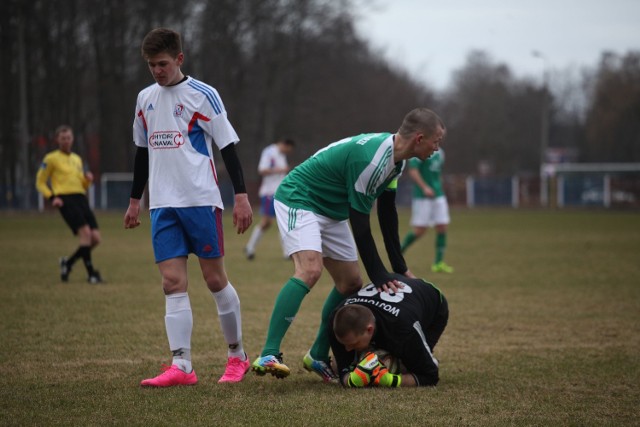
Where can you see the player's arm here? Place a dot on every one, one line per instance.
(140, 178)
(42, 178)
(242, 214)
(376, 270)
(388, 220)
(414, 174)
(87, 176)
(272, 171)
(87, 179)
(266, 167)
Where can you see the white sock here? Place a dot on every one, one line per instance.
(256, 234)
(228, 305)
(179, 324)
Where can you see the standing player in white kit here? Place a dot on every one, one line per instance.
(176, 121)
(273, 167)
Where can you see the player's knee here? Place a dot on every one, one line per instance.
(310, 275)
(349, 283)
(172, 283)
(350, 287)
(85, 235)
(419, 231)
(96, 239)
(216, 284)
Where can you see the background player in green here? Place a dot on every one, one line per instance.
(316, 203)
(429, 207)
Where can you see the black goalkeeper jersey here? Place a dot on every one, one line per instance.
(408, 325)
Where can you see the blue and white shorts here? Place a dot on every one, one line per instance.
(266, 206)
(176, 232)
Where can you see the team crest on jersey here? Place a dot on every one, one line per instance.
(166, 139)
(178, 109)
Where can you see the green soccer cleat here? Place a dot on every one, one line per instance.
(270, 364)
(441, 267)
(319, 367)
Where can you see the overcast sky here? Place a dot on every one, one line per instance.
(431, 38)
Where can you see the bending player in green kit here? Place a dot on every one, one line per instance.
(316, 203)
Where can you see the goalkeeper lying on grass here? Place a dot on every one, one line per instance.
(406, 324)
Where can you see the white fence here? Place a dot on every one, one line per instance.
(614, 185)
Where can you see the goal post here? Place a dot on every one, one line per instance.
(115, 189)
(594, 184)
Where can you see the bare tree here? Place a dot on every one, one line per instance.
(613, 118)
(493, 119)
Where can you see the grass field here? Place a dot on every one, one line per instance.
(544, 330)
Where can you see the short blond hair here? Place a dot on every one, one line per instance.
(420, 120)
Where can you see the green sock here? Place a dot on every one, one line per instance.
(284, 311)
(441, 244)
(408, 240)
(320, 348)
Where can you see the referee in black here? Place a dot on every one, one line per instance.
(406, 324)
(62, 180)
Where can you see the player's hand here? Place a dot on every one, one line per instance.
(384, 378)
(242, 214)
(381, 377)
(392, 286)
(388, 284)
(88, 176)
(365, 371)
(392, 282)
(409, 274)
(133, 213)
(57, 202)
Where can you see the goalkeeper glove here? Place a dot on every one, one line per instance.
(364, 371)
(384, 378)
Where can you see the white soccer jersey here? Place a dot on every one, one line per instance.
(178, 124)
(271, 158)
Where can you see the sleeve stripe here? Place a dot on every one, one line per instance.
(374, 181)
(209, 93)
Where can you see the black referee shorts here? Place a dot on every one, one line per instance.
(76, 212)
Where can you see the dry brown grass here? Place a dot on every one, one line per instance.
(544, 330)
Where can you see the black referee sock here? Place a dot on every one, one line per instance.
(73, 258)
(85, 254)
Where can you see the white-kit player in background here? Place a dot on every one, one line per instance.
(177, 120)
(273, 167)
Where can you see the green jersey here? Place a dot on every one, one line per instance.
(431, 172)
(352, 172)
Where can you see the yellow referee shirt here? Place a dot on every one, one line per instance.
(65, 172)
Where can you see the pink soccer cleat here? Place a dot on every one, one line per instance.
(235, 370)
(171, 376)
